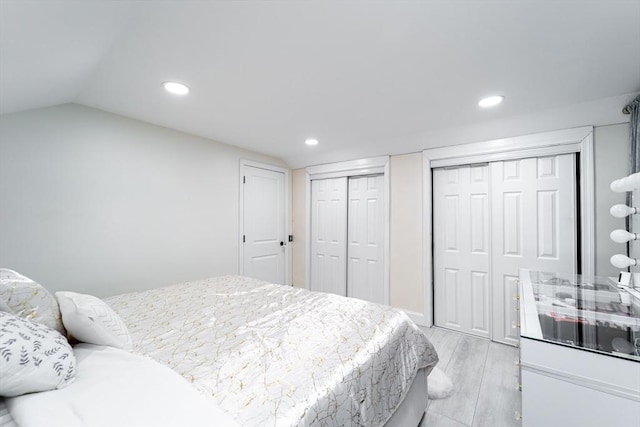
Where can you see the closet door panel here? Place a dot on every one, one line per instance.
(479, 260)
(481, 303)
(329, 235)
(365, 269)
(534, 226)
(449, 193)
(462, 249)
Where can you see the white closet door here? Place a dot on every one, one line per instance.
(461, 253)
(365, 268)
(533, 226)
(264, 225)
(329, 235)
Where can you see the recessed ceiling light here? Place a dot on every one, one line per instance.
(490, 101)
(311, 141)
(176, 88)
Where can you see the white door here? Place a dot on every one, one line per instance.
(534, 227)
(365, 268)
(263, 224)
(461, 249)
(329, 235)
(490, 221)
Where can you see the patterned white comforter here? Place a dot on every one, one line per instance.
(273, 355)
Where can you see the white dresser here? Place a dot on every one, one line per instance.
(579, 352)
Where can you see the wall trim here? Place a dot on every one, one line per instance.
(368, 166)
(418, 318)
(287, 215)
(360, 167)
(574, 140)
(307, 230)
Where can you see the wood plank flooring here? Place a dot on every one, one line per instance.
(485, 376)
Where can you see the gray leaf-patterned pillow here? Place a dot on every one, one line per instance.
(33, 357)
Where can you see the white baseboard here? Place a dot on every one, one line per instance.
(418, 318)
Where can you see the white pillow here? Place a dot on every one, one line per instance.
(25, 298)
(33, 357)
(91, 320)
(117, 388)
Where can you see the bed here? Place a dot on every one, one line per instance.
(272, 355)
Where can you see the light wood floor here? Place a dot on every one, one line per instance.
(485, 375)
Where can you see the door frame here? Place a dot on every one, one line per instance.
(287, 209)
(574, 140)
(368, 166)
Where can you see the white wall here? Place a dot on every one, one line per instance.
(612, 150)
(102, 204)
(406, 270)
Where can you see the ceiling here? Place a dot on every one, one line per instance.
(364, 77)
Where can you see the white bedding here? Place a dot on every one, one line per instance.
(6, 420)
(116, 388)
(272, 355)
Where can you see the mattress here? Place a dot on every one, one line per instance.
(272, 355)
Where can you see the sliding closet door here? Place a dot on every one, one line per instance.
(329, 235)
(365, 268)
(491, 221)
(534, 226)
(461, 249)
(347, 237)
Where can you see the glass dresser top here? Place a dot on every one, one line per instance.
(588, 313)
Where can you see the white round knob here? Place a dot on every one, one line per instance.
(628, 183)
(621, 211)
(622, 261)
(616, 186)
(622, 236)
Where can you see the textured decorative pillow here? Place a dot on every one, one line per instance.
(25, 298)
(33, 357)
(91, 320)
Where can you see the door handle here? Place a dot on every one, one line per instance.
(281, 243)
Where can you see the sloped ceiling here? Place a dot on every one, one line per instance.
(364, 77)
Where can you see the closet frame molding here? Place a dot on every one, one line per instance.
(360, 167)
(574, 140)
